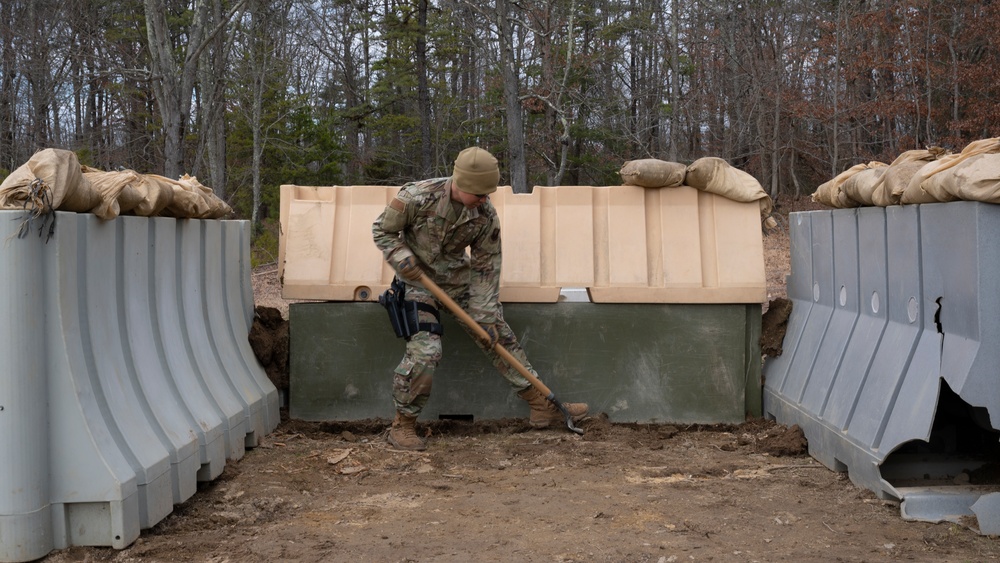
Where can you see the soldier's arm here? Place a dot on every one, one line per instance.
(484, 287)
(387, 228)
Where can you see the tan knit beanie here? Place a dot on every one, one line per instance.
(476, 172)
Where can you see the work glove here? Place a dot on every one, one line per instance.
(409, 269)
(491, 332)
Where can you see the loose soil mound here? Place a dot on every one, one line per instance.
(773, 325)
(269, 340)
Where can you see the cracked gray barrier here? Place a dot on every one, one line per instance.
(890, 356)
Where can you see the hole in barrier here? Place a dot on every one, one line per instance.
(937, 315)
(963, 450)
(462, 417)
(362, 293)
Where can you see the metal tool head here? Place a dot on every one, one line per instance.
(569, 419)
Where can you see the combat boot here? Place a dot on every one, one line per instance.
(545, 414)
(403, 436)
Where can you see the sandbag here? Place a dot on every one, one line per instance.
(186, 204)
(830, 193)
(915, 192)
(652, 173)
(860, 187)
(185, 198)
(976, 178)
(60, 184)
(111, 185)
(14, 191)
(130, 197)
(892, 184)
(825, 194)
(217, 208)
(188, 201)
(715, 175)
(897, 177)
(157, 193)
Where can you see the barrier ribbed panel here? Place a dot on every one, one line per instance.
(888, 303)
(625, 244)
(129, 374)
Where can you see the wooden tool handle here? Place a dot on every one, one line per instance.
(482, 334)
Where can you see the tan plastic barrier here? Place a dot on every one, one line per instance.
(625, 244)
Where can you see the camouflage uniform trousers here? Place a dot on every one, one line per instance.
(411, 385)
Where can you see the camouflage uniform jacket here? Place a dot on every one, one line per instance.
(422, 220)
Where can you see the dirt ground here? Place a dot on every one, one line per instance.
(501, 491)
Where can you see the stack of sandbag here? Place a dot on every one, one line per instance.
(973, 175)
(709, 174)
(53, 179)
(919, 176)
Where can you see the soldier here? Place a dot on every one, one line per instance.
(426, 229)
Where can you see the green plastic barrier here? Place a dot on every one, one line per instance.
(678, 363)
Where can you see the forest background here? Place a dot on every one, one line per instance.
(251, 94)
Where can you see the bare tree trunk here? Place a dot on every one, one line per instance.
(256, 120)
(954, 71)
(776, 146)
(364, 90)
(37, 71)
(675, 81)
(775, 149)
(835, 140)
(907, 29)
(8, 63)
(260, 62)
(213, 87)
(518, 168)
(927, 74)
(173, 81)
(353, 101)
(423, 93)
(792, 162)
(565, 138)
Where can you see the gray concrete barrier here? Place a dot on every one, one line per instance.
(890, 360)
(129, 376)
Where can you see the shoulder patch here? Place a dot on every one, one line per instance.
(495, 234)
(397, 204)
